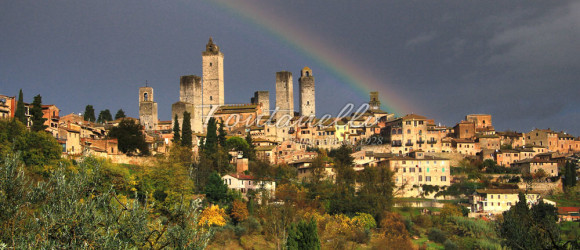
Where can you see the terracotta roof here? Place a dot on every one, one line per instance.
(503, 191)
(414, 117)
(242, 176)
(567, 210)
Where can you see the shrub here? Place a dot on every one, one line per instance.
(423, 221)
(450, 245)
(436, 235)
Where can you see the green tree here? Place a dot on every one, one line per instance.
(186, 134)
(130, 138)
(303, 235)
(252, 148)
(10, 131)
(222, 134)
(89, 114)
(569, 175)
(37, 115)
(105, 116)
(376, 192)
(176, 130)
(535, 228)
(216, 191)
(211, 140)
(38, 148)
(20, 109)
(120, 114)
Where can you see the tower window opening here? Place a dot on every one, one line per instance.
(307, 102)
(210, 64)
(307, 73)
(211, 98)
(145, 97)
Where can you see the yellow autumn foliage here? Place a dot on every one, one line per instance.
(212, 216)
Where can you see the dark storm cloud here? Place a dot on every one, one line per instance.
(516, 60)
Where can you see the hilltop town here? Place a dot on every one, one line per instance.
(429, 161)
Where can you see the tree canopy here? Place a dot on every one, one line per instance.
(120, 114)
(130, 138)
(89, 114)
(37, 115)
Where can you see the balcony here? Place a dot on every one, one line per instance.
(420, 142)
(409, 144)
(396, 145)
(432, 142)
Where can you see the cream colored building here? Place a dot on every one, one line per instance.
(245, 183)
(415, 169)
(496, 201)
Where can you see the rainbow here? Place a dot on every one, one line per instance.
(346, 70)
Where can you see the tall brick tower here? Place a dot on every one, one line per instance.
(307, 93)
(374, 103)
(213, 76)
(147, 108)
(190, 101)
(284, 94)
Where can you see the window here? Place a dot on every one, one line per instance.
(492, 196)
(509, 203)
(412, 170)
(427, 170)
(443, 178)
(211, 98)
(145, 97)
(408, 131)
(420, 178)
(428, 178)
(210, 64)
(404, 170)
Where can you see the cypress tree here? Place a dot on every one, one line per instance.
(211, 140)
(303, 236)
(36, 112)
(186, 134)
(120, 114)
(569, 175)
(176, 130)
(221, 134)
(89, 114)
(20, 114)
(251, 149)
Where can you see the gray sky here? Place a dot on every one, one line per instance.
(516, 60)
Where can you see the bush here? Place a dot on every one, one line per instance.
(436, 235)
(240, 230)
(423, 221)
(362, 236)
(450, 245)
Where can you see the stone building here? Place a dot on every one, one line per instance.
(482, 122)
(415, 169)
(213, 77)
(375, 103)
(307, 93)
(262, 97)
(147, 109)
(190, 91)
(543, 137)
(284, 94)
(407, 133)
(464, 130)
(7, 106)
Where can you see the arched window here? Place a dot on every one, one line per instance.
(394, 131)
(145, 96)
(307, 73)
(408, 131)
(400, 131)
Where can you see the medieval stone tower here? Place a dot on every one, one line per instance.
(147, 109)
(374, 103)
(307, 94)
(213, 77)
(190, 101)
(262, 97)
(284, 94)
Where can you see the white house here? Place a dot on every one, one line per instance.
(244, 183)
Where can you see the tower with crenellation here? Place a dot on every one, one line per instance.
(189, 100)
(213, 77)
(147, 109)
(284, 94)
(307, 98)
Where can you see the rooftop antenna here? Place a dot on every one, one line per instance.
(146, 83)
